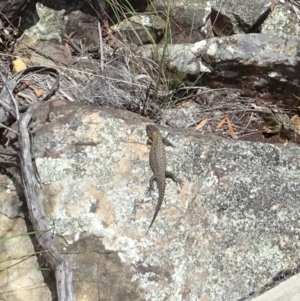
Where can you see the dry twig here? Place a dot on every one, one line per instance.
(61, 267)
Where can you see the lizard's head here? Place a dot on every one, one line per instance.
(151, 129)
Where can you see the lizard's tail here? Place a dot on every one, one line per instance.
(161, 192)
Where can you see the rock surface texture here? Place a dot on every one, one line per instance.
(20, 277)
(224, 236)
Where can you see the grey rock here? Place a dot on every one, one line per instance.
(189, 19)
(20, 278)
(50, 24)
(249, 57)
(235, 17)
(12, 208)
(141, 29)
(286, 291)
(232, 227)
(283, 20)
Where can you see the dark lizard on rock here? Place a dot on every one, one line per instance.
(158, 164)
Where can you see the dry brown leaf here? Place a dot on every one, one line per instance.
(38, 92)
(230, 128)
(220, 124)
(202, 124)
(229, 125)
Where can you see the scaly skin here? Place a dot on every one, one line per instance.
(158, 164)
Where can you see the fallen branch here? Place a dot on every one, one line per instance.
(61, 267)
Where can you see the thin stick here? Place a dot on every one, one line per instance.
(8, 128)
(12, 97)
(101, 47)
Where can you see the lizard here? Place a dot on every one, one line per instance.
(158, 164)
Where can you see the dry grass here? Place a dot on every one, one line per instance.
(145, 87)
